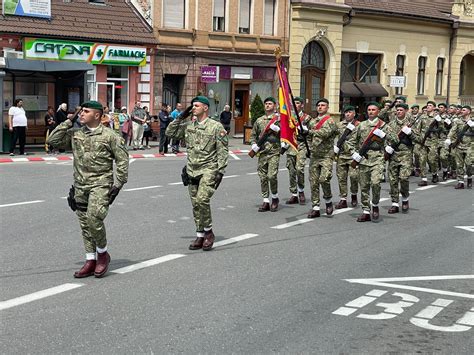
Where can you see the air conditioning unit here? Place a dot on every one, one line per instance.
(11, 53)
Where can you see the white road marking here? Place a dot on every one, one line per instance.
(306, 220)
(20, 159)
(130, 161)
(284, 169)
(21, 203)
(222, 208)
(235, 239)
(64, 197)
(184, 218)
(385, 282)
(426, 187)
(143, 188)
(447, 181)
(466, 228)
(37, 295)
(383, 199)
(255, 173)
(230, 206)
(147, 263)
(175, 183)
(230, 176)
(171, 221)
(342, 210)
(148, 155)
(234, 156)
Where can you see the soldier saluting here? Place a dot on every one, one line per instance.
(208, 153)
(95, 148)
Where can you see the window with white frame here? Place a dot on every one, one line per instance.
(173, 13)
(399, 72)
(420, 88)
(219, 16)
(244, 16)
(269, 16)
(439, 76)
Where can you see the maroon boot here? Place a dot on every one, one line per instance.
(86, 270)
(102, 265)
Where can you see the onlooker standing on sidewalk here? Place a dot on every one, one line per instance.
(61, 114)
(138, 118)
(148, 132)
(177, 111)
(164, 117)
(225, 118)
(125, 123)
(17, 124)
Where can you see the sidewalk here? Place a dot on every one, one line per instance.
(37, 153)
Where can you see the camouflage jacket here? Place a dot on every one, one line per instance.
(207, 145)
(467, 141)
(272, 143)
(422, 128)
(322, 139)
(375, 155)
(399, 141)
(344, 152)
(94, 153)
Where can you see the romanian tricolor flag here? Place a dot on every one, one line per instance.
(288, 122)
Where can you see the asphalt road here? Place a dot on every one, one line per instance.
(279, 286)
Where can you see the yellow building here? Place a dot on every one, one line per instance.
(355, 51)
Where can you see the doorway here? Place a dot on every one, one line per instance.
(172, 85)
(240, 103)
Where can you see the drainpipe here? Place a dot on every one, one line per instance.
(454, 31)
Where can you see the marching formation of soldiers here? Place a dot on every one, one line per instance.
(396, 139)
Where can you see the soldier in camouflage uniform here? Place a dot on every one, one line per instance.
(430, 126)
(463, 131)
(389, 113)
(322, 130)
(443, 134)
(452, 117)
(344, 159)
(95, 148)
(207, 150)
(268, 154)
(296, 160)
(415, 114)
(399, 151)
(371, 165)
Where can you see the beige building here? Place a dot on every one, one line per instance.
(355, 51)
(222, 49)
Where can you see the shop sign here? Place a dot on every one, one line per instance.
(93, 53)
(209, 74)
(397, 81)
(29, 8)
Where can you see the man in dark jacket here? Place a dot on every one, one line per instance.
(165, 119)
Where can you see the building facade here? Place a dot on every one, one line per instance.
(355, 51)
(223, 49)
(80, 50)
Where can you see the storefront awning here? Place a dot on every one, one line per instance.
(353, 89)
(45, 65)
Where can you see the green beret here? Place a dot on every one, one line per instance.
(387, 102)
(431, 102)
(373, 103)
(405, 106)
(271, 99)
(453, 105)
(299, 98)
(423, 108)
(468, 107)
(201, 99)
(403, 98)
(322, 100)
(96, 105)
(442, 104)
(459, 106)
(348, 108)
(415, 105)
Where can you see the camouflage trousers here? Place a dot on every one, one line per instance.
(296, 165)
(343, 171)
(399, 170)
(443, 157)
(429, 154)
(417, 155)
(92, 220)
(370, 178)
(201, 201)
(464, 161)
(320, 173)
(268, 173)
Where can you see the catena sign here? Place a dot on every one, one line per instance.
(93, 53)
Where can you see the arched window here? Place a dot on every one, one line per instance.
(313, 55)
(313, 69)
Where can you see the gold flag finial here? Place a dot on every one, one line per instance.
(277, 52)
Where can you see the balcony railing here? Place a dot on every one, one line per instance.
(467, 100)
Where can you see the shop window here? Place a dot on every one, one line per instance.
(269, 15)
(361, 68)
(420, 88)
(174, 13)
(399, 72)
(439, 76)
(244, 16)
(219, 15)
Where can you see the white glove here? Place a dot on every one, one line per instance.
(255, 147)
(336, 149)
(470, 123)
(447, 143)
(304, 127)
(389, 149)
(447, 121)
(379, 133)
(274, 128)
(406, 130)
(350, 127)
(438, 118)
(357, 157)
(284, 145)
